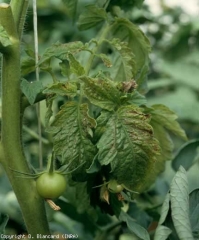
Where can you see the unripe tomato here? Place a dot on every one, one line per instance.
(114, 187)
(51, 185)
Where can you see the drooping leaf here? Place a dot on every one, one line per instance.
(180, 205)
(101, 92)
(134, 227)
(4, 37)
(130, 148)
(163, 116)
(186, 155)
(135, 38)
(31, 89)
(162, 232)
(3, 222)
(71, 6)
(61, 51)
(194, 212)
(92, 16)
(123, 61)
(63, 89)
(72, 130)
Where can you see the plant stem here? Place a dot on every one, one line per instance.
(31, 203)
(19, 9)
(103, 34)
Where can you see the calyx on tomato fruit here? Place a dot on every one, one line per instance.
(114, 187)
(51, 185)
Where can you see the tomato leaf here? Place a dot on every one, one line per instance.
(31, 89)
(101, 92)
(71, 6)
(92, 16)
(61, 51)
(163, 116)
(72, 130)
(180, 205)
(63, 89)
(130, 148)
(135, 38)
(163, 232)
(123, 61)
(186, 155)
(75, 66)
(27, 65)
(194, 211)
(4, 37)
(134, 227)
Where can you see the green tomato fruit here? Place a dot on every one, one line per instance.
(51, 185)
(114, 187)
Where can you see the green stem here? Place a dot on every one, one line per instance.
(19, 9)
(103, 34)
(31, 203)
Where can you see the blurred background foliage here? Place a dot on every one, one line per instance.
(173, 81)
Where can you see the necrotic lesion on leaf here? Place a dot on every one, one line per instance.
(72, 130)
(129, 146)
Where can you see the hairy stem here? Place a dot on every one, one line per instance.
(31, 204)
(19, 9)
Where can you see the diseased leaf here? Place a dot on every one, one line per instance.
(134, 227)
(123, 61)
(101, 92)
(71, 6)
(194, 211)
(107, 62)
(31, 89)
(180, 205)
(72, 130)
(63, 89)
(4, 37)
(186, 155)
(61, 51)
(139, 44)
(130, 148)
(75, 66)
(92, 16)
